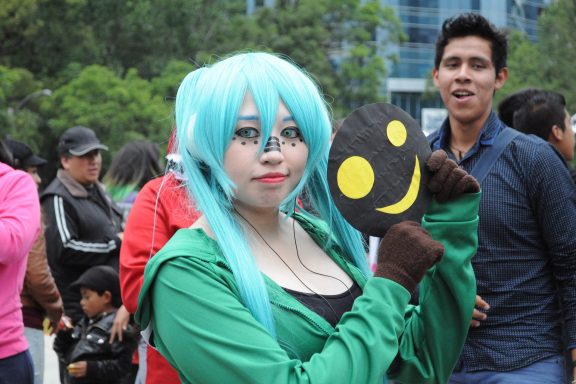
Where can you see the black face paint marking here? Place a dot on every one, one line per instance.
(293, 144)
(273, 144)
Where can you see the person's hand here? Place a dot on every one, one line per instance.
(64, 323)
(77, 369)
(406, 252)
(448, 180)
(55, 315)
(54, 322)
(477, 315)
(120, 324)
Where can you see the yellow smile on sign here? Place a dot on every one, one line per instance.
(355, 176)
(410, 196)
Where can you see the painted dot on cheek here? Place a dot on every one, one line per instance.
(255, 141)
(293, 144)
(243, 143)
(283, 142)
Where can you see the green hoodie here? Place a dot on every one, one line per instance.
(191, 302)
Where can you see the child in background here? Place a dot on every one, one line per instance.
(84, 348)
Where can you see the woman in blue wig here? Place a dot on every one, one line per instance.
(257, 291)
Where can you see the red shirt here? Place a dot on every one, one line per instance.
(161, 208)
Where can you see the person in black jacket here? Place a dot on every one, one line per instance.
(85, 349)
(83, 226)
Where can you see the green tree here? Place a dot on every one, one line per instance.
(20, 95)
(166, 85)
(557, 44)
(525, 66)
(331, 39)
(116, 65)
(118, 109)
(549, 62)
(18, 25)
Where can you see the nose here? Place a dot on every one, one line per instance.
(273, 144)
(463, 73)
(272, 151)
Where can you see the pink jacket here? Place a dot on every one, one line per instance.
(19, 227)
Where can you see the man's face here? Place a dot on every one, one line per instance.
(84, 169)
(467, 80)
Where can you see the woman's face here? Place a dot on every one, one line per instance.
(264, 180)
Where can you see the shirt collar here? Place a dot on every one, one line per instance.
(488, 134)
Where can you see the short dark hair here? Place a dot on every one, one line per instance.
(512, 103)
(473, 24)
(540, 113)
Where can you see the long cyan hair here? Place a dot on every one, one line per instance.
(207, 107)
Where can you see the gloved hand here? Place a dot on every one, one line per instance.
(448, 180)
(406, 252)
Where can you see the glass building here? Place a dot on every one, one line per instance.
(409, 84)
(410, 78)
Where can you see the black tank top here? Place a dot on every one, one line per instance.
(330, 307)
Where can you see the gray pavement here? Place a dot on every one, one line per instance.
(50, 362)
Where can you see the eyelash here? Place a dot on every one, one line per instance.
(247, 133)
(251, 133)
(294, 130)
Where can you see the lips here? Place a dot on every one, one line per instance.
(461, 93)
(271, 178)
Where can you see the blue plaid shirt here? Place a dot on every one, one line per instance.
(526, 259)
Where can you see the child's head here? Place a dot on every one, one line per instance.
(100, 290)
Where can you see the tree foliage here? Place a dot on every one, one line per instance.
(115, 66)
(549, 62)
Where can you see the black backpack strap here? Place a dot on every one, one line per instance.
(492, 154)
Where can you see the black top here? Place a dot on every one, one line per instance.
(330, 307)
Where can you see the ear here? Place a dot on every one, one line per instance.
(435, 76)
(556, 133)
(501, 78)
(64, 161)
(107, 296)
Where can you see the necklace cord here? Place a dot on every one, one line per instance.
(300, 260)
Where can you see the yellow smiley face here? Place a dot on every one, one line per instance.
(356, 176)
(375, 168)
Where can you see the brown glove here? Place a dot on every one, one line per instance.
(448, 180)
(406, 252)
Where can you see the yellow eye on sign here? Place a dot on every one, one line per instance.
(355, 177)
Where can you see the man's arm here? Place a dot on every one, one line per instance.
(554, 197)
(40, 283)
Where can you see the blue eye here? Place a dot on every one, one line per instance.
(290, 133)
(247, 132)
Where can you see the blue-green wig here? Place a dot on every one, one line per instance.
(207, 106)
